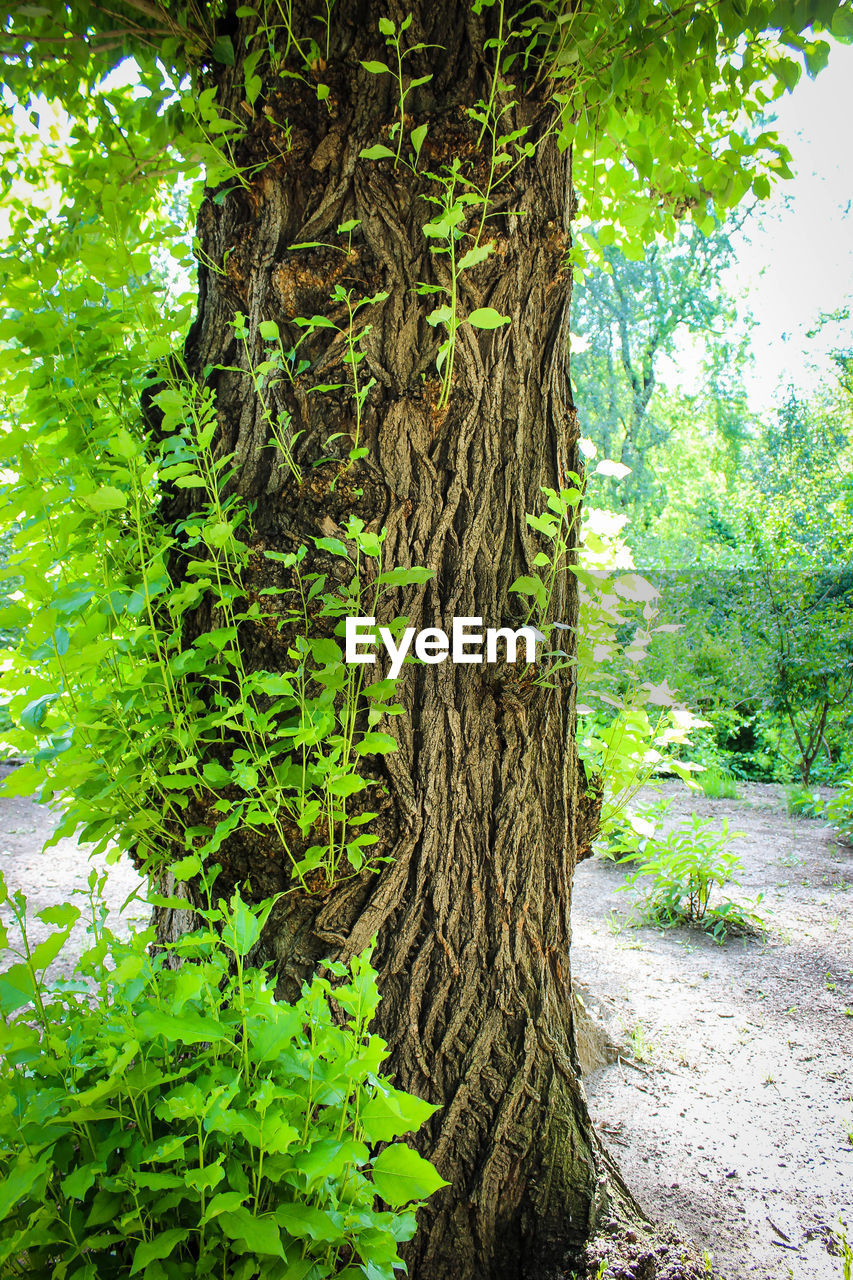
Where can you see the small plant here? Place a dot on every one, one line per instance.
(801, 802)
(393, 39)
(641, 1048)
(447, 231)
(842, 1245)
(624, 834)
(839, 811)
(717, 785)
(181, 1122)
(684, 868)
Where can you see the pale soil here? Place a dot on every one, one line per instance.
(59, 874)
(737, 1124)
(734, 1122)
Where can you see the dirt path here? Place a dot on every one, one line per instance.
(51, 876)
(734, 1119)
(737, 1125)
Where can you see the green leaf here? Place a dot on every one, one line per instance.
(304, 1222)
(160, 1247)
(189, 1028)
(816, 55)
(260, 1234)
(474, 256)
(376, 69)
(528, 585)
(406, 577)
(417, 138)
(347, 784)
(108, 498)
(401, 1175)
(222, 50)
(389, 1115)
(63, 915)
(386, 26)
(376, 744)
(268, 330)
(377, 152)
(487, 318)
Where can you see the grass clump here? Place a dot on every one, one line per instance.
(716, 784)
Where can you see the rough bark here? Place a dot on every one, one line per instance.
(483, 816)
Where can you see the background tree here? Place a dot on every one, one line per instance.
(384, 265)
(630, 313)
(756, 569)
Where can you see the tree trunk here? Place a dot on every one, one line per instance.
(484, 814)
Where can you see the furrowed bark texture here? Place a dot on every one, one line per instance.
(483, 813)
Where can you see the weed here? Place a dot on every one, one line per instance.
(404, 86)
(184, 1116)
(801, 802)
(718, 785)
(843, 1247)
(684, 868)
(640, 1046)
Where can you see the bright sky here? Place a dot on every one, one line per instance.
(796, 260)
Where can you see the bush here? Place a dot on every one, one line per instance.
(180, 1122)
(625, 833)
(684, 868)
(802, 802)
(839, 811)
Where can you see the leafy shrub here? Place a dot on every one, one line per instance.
(179, 1121)
(684, 868)
(802, 802)
(839, 811)
(718, 785)
(626, 833)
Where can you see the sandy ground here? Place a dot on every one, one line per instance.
(730, 1109)
(733, 1114)
(59, 874)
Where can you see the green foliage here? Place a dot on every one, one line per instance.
(718, 785)
(630, 314)
(163, 1114)
(651, 98)
(404, 84)
(200, 745)
(839, 811)
(625, 832)
(752, 569)
(802, 802)
(683, 869)
(844, 1249)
